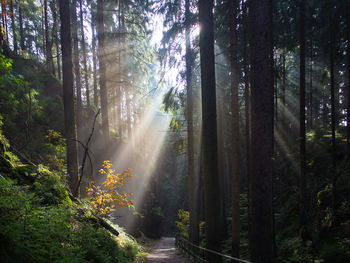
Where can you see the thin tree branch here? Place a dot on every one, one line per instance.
(86, 153)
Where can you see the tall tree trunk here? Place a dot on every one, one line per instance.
(213, 204)
(113, 111)
(121, 68)
(42, 10)
(128, 112)
(261, 225)
(48, 46)
(21, 29)
(311, 113)
(76, 56)
(225, 182)
(102, 64)
(348, 98)
(235, 130)
(284, 81)
(13, 26)
(272, 72)
(247, 103)
(94, 62)
(275, 83)
(302, 154)
(333, 106)
(283, 122)
(3, 10)
(55, 32)
(119, 113)
(192, 176)
(68, 96)
(83, 47)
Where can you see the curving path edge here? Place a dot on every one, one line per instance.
(165, 252)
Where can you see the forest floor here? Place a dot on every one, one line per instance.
(164, 251)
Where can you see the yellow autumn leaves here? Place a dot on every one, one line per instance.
(105, 199)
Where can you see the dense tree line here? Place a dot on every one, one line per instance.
(263, 96)
(266, 53)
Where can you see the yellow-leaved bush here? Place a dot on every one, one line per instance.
(183, 224)
(105, 198)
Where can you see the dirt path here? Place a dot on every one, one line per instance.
(165, 252)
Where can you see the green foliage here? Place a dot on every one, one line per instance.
(56, 152)
(292, 250)
(7, 78)
(39, 222)
(183, 224)
(33, 106)
(33, 231)
(48, 184)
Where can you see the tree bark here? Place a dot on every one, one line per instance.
(302, 148)
(348, 97)
(68, 96)
(261, 225)
(55, 32)
(76, 52)
(213, 204)
(333, 106)
(102, 70)
(235, 130)
(194, 216)
(83, 47)
(48, 44)
(13, 26)
(311, 113)
(247, 111)
(94, 62)
(128, 112)
(119, 92)
(21, 30)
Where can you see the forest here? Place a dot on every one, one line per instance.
(175, 131)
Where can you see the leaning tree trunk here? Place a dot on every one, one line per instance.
(213, 204)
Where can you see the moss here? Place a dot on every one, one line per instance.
(66, 236)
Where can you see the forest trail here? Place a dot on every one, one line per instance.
(165, 251)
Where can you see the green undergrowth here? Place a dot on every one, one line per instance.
(33, 106)
(40, 223)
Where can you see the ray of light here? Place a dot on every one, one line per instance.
(149, 135)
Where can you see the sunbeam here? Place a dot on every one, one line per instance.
(149, 136)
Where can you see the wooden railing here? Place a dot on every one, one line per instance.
(200, 254)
